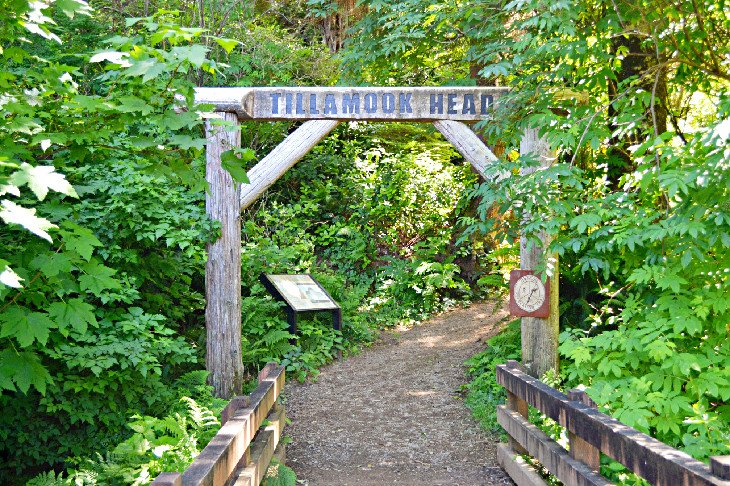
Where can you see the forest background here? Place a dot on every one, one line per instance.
(104, 227)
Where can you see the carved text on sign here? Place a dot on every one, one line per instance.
(386, 104)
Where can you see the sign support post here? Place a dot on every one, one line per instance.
(539, 335)
(223, 357)
(301, 293)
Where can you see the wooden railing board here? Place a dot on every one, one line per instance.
(720, 466)
(261, 451)
(522, 473)
(224, 452)
(579, 448)
(168, 479)
(232, 406)
(551, 455)
(649, 458)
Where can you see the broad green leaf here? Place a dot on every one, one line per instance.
(80, 240)
(8, 276)
(98, 278)
(25, 326)
(194, 54)
(74, 313)
(227, 44)
(234, 166)
(131, 104)
(51, 264)
(73, 7)
(114, 57)
(11, 213)
(42, 178)
(24, 369)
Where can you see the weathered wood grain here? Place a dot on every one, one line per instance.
(720, 466)
(216, 462)
(262, 450)
(522, 473)
(422, 104)
(232, 406)
(223, 268)
(548, 452)
(168, 479)
(520, 406)
(468, 144)
(579, 448)
(651, 459)
(539, 336)
(283, 157)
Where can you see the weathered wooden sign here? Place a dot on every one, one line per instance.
(301, 293)
(378, 104)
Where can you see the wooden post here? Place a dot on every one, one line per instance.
(539, 336)
(223, 268)
(580, 449)
(518, 405)
(720, 466)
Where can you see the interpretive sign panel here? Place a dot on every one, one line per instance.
(302, 292)
(338, 103)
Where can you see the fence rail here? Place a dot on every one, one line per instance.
(240, 453)
(590, 433)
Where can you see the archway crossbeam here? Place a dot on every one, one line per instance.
(418, 104)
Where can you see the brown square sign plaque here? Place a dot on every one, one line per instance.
(528, 295)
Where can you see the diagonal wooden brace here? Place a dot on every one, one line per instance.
(294, 147)
(468, 144)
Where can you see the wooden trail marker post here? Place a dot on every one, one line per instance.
(321, 109)
(539, 335)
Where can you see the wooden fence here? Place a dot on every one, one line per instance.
(240, 453)
(590, 433)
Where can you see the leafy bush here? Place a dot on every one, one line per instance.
(169, 443)
(279, 475)
(483, 392)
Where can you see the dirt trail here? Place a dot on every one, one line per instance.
(393, 414)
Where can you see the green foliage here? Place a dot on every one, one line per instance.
(483, 392)
(279, 475)
(168, 443)
(78, 352)
(410, 43)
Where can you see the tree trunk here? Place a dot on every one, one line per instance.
(637, 61)
(223, 268)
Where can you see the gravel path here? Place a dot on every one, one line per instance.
(394, 415)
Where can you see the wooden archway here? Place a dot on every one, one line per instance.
(321, 110)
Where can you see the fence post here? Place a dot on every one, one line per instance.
(580, 449)
(518, 405)
(720, 466)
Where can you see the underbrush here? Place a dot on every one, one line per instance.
(483, 392)
(156, 444)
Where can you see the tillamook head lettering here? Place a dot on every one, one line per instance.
(386, 104)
